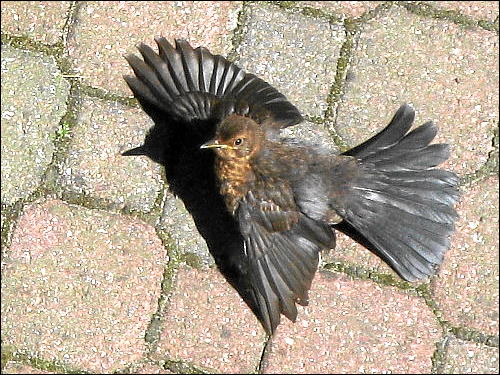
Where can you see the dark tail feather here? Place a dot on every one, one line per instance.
(400, 204)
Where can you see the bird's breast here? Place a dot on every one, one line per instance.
(235, 176)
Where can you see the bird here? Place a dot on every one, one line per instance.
(287, 197)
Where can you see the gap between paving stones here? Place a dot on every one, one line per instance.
(423, 9)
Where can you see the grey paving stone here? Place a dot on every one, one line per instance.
(178, 222)
(295, 53)
(80, 286)
(94, 164)
(467, 289)
(40, 20)
(353, 326)
(449, 74)
(464, 357)
(315, 134)
(107, 30)
(33, 101)
(207, 324)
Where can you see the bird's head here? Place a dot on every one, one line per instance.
(237, 137)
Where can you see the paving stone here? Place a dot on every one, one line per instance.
(208, 324)
(295, 53)
(94, 164)
(315, 134)
(449, 74)
(467, 289)
(80, 286)
(179, 223)
(106, 31)
(33, 101)
(355, 327)
(480, 10)
(464, 357)
(352, 9)
(349, 252)
(42, 21)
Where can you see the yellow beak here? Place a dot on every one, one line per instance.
(214, 143)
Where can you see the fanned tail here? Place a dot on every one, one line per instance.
(399, 202)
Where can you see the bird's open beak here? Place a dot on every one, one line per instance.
(213, 143)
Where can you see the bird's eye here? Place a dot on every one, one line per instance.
(238, 142)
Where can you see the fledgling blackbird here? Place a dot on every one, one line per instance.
(286, 196)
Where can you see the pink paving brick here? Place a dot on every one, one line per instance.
(40, 20)
(467, 289)
(207, 324)
(80, 286)
(356, 326)
(106, 31)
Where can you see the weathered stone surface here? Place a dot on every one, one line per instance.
(295, 53)
(106, 31)
(448, 73)
(467, 289)
(208, 324)
(470, 358)
(80, 286)
(94, 165)
(34, 95)
(353, 326)
(41, 20)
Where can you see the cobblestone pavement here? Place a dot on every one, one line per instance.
(103, 269)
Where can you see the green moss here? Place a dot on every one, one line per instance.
(54, 366)
(337, 89)
(7, 354)
(239, 32)
(468, 334)
(181, 367)
(99, 93)
(489, 168)
(425, 9)
(439, 356)
(284, 4)
(24, 42)
(362, 273)
(153, 332)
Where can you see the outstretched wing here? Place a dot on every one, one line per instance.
(192, 84)
(281, 248)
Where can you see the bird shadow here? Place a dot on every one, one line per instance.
(190, 173)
